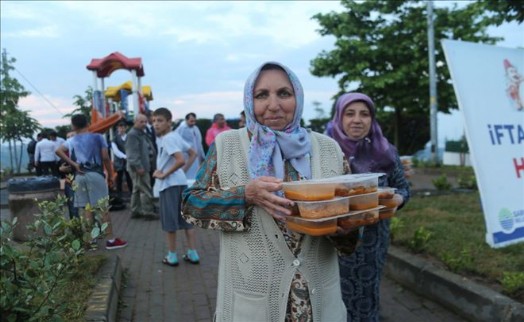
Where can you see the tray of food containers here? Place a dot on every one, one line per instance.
(322, 204)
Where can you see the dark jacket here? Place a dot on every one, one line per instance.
(137, 150)
(119, 163)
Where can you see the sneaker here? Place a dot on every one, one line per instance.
(117, 243)
(170, 260)
(192, 256)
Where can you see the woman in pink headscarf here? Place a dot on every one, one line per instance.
(219, 126)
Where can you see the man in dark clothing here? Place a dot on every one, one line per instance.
(120, 158)
(31, 147)
(151, 136)
(139, 165)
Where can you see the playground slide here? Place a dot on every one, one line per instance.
(102, 125)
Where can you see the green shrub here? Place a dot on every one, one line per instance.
(396, 224)
(459, 263)
(420, 239)
(467, 181)
(441, 183)
(512, 282)
(32, 272)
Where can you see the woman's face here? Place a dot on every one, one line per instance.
(356, 120)
(274, 99)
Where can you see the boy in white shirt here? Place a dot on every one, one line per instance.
(171, 182)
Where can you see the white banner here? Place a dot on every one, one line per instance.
(489, 84)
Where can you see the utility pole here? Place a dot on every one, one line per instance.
(432, 86)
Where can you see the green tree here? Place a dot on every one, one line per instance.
(62, 130)
(381, 49)
(15, 125)
(18, 126)
(502, 11)
(83, 103)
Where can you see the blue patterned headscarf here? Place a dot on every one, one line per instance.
(269, 148)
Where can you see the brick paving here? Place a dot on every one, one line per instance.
(157, 292)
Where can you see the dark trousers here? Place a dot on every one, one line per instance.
(119, 180)
(48, 168)
(70, 194)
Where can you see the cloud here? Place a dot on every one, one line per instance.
(205, 104)
(41, 32)
(46, 114)
(187, 21)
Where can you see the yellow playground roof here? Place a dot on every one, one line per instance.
(113, 92)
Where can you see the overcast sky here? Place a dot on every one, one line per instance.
(196, 55)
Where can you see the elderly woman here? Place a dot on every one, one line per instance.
(357, 131)
(267, 272)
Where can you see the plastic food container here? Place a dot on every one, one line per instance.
(313, 228)
(364, 202)
(323, 209)
(355, 184)
(386, 192)
(360, 219)
(386, 213)
(308, 190)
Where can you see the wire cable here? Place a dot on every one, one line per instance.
(36, 90)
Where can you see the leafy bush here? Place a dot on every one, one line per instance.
(462, 262)
(31, 274)
(513, 282)
(396, 224)
(467, 181)
(420, 239)
(441, 183)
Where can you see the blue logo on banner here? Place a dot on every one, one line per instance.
(506, 219)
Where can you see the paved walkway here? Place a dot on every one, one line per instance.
(156, 292)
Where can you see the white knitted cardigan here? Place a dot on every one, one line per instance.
(256, 266)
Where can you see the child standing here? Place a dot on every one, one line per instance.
(171, 182)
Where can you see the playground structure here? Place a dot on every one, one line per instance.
(110, 105)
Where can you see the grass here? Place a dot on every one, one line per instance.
(450, 228)
(76, 293)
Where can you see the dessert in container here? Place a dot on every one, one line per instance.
(308, 190)
(363, 218)
(385, 198)
(323, 209)
(324, 189)
(355, 184)
(313, 228)
(387, 213)
(364, 201)
(386, 192)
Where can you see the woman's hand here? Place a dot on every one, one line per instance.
(396, 201)
(259, 192)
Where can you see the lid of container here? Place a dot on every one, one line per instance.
(338, 179)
